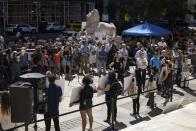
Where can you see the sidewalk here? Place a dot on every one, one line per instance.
(72, 122)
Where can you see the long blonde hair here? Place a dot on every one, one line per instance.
(5, 103)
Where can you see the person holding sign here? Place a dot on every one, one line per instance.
(111, 92)
(133, 90)
(86, 96)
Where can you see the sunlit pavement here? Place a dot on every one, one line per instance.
(72, 122)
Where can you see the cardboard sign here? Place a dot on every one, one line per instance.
(102, 83)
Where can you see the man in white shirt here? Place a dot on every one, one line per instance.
(141, 50)
(162, 43)
(142, 64)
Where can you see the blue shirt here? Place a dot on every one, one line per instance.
(24, 59)
(54, 93)
(155, 62)
(84, 50)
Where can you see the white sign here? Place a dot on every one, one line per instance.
(75, 95)
(101, 84)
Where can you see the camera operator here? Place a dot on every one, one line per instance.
(54, 94)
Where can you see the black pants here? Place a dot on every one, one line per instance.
(178, 76)
(136, 105)
(141, 78)
(150, 102)
(109, 107)
(120, 75)
(48, 121)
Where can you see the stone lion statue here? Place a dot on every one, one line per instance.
(95, 27)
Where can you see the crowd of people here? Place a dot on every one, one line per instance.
(164, 62)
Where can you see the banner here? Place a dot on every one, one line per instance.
(75, 95)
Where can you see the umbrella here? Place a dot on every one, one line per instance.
(146, 29)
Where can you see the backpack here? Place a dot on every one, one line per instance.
(116, 89)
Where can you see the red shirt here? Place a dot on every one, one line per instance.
(57, 58)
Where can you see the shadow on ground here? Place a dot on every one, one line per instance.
(117, 126)
(189, 90)
(155, 112)
(140, 119)
(178, 92)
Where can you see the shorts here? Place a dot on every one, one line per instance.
(57, 67)
(65, 62)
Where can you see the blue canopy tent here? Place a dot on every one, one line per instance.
(146, 29)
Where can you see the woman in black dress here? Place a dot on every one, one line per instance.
(86, 96)
(117, 67)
